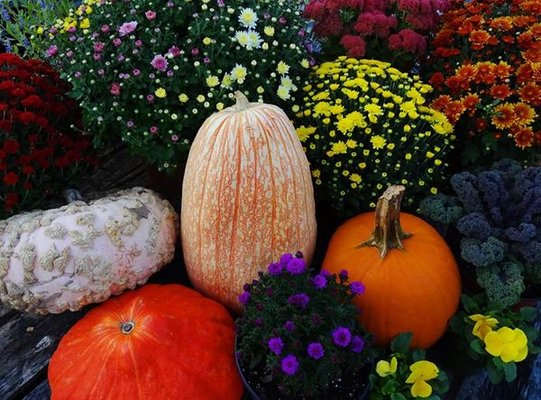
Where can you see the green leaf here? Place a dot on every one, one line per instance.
(477, 346)
(510, 371)
(469, 304)
(398, 396)
(528, 313)
(495, 375)
(418, 355)
(457, 323)
(401, 343)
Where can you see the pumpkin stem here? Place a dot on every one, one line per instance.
(242, 101)
(127, 327)
(388, 233)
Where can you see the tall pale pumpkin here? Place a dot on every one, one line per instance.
(247, 198)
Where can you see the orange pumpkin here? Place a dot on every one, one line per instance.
(411, 277)
(158, 342)
(247, 198)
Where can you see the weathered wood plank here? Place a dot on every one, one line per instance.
(27, 342)
(41, 392)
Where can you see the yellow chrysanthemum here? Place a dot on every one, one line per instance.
(378, 142)
(213, 81)
(160, 93)
(303, 132)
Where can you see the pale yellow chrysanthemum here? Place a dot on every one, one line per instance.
(282, 68)
(213, 81)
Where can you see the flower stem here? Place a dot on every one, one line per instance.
(388, 233)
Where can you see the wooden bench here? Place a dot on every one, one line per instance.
(28, 341)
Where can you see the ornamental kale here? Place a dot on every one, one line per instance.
(497, 214)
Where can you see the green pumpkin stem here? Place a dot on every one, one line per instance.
(388, 233)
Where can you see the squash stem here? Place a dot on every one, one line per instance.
(388, 233)
(127, 327)
(242, 101)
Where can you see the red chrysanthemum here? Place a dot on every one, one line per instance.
(504, 116)
(11, 178)
(524, 114)
(523, 137)
(531, 93)
(501, 91)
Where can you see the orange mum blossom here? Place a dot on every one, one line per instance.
(491, 49)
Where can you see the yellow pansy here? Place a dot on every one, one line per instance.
(508, 344)
(160, 92)
(385, 368)
(421, 372)
(483, 325)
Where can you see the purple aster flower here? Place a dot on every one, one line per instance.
(289, 364)
(244, 297)
(170, 4)
(138, 43)
(170, 73)
(289, 326)
(153, 129)
(325, 273)
(266, 16)
(150, 15)
(127, 28)
(195, 51)
(96, 56)
(121, 57)
(174, 138)
(221, 3)
(247, 287)
(341, 336)
(258, 321)
(69, 54)
(72, 29)
(343, 274)
(206, 60)
(53, 30)
(300, 300)
(275, 269)
(296, 266)
(357, 344)
(174, 51)
(150, 98)
(105, 28)
(315, 350)
(282, 20)
(357, 288)
(136, 72)
(285, 258)
(276, 345)
(78, 74)
(117, 42)
(101, 72)
(159, 62)
(130, 124)
(51, 51)
(319, 281)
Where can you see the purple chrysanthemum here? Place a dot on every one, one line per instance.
(174, 51)
(127, 27)
(258, 321)
(344, 274)
(289, 364)
(357, 344)
(159, 62)
(325, 273)
(289, 326)
(319, 281)
(300, 300)
(341, 336)
(357, 288)
(296, 266)
(315, 350)
(150, 15)
(275, 269)
(244, 298)
(276, 345)
(285, 258)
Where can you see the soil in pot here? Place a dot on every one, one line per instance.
(352, 385)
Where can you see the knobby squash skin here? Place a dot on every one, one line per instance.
(247, 198)
(160, 342)
(414, 289)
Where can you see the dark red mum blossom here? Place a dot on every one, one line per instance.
(11, 178)
(11, 146)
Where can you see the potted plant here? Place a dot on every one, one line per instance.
(299, 337)
(149, 73)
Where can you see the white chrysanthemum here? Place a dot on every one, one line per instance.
(283, 93)
(239, 73)
(248, 18)
(288, 83)
(254, 40)
(242, 38)
(282, 68)
(227, 81)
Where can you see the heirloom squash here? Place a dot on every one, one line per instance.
(68, 257)
(412, 280)
(158, 342)
(247, 198)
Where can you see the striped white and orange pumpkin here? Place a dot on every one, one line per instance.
(247, 197)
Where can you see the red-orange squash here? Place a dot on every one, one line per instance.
(411, 277)
(156, 343)
(247, 198)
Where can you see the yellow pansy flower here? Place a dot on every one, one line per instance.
(385, 368)
(160, 93)
(483, 325)
(421, 372)
(508, 344)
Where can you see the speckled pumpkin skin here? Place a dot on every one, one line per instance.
(247, 198)
(65, 258)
